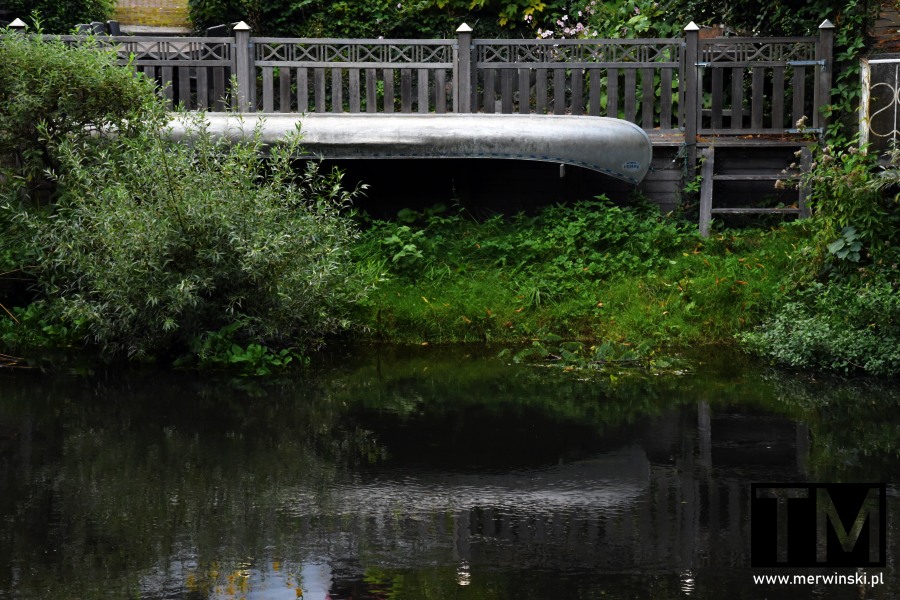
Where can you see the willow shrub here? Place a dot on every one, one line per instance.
(155, 248)
(49, 92)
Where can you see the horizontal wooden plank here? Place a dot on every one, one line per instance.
(353, 65)
(576, 65)
(599, 43)
(664, 175)
(342, 41)
(758, 211)
(751, 177)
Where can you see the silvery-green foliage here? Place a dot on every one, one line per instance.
(153, 243)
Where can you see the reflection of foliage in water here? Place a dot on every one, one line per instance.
(179, 480)
(854, 423)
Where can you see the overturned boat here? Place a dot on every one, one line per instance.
(614, 147)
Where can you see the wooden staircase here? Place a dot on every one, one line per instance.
(746, 173)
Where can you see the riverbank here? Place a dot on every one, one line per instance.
(629, 276)
(587, 271)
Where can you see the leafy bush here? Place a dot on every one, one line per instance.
(61, 16)
(839, 326)
(358, 18)
(844, 313)
(857, 215)
(50, 92)
(160, 243)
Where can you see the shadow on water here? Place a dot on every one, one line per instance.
(422, 473)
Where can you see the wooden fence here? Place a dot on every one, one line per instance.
(688, 85)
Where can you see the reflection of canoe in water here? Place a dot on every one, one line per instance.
(604, 483)
(611, 146)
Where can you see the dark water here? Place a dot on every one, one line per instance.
(424, 474)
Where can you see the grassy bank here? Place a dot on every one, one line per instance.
(588, 270)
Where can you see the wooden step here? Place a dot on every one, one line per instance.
(709, 177)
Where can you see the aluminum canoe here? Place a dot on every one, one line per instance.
(614, 147)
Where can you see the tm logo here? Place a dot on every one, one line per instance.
(818, 525)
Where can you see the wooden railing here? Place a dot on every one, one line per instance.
(687, 85)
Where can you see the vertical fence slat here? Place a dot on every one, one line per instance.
(612, 93)
(506, 91)
(525, 91)
(302, 89)
(423, 91)
(284, 89)
(540, 93)
(737, 98)
(757, 98)
(371, 90)
(388, 90)
(168, 92)
(648, 98)
(577, 105)
(489, 93)
(267, 85)
(559, 91)
(219, 99)
(798, 88)
(440, 91)
(594, 91)
(184, 87)
(202, 88)
(665, 99)
(405, 91)
(778, 97)
(337, 90)
(717, 98)
(353, 89)
(630, 95)
(319, 84)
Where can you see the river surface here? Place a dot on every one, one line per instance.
(426, 473)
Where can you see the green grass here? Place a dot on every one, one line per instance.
(587, 271)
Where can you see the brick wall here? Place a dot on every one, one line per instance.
(158, 13)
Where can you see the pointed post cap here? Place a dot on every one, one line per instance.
(17, 24)
(826, 24)
(692, 27)
(464, 29)
(241, 26)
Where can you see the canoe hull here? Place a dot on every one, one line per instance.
(611, 146)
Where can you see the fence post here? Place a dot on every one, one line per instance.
(462, 86)
(691, 94)
(824, 53)
(17, 25)
(242, 68)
